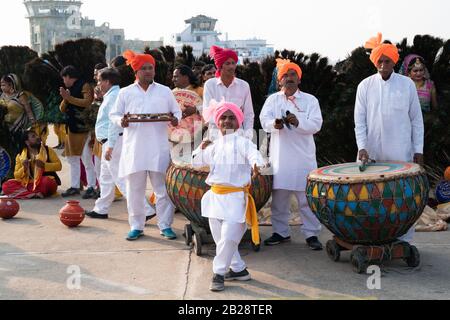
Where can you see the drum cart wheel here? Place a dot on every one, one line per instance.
(359, 261)
(362, 256)
(188, 233)
(197, 241)
(199, 236)
(333, 250)
(413, 260)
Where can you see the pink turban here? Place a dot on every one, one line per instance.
(381, 49)
(137, 61)
(221, 55)
(217, 109)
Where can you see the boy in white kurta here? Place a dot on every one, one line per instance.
(146, 150)
(292, 152)
(388, 117)
(230, 158)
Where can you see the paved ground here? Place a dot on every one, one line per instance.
(40, 258)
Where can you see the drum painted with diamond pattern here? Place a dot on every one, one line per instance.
(372, 207)
(187, 185)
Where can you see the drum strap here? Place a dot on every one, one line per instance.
(250, 212)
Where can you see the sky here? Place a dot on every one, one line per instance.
(331, 28)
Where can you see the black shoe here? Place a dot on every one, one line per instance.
(218, 283)
(97, 194)
(70, 192)
(239, 276)
(95, 215)
(89, 194)
(276, 239)
(150, 217)
(314, 244)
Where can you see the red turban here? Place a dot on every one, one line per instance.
(284, 66)
(221, 55)
(381, 49)
(137, 61)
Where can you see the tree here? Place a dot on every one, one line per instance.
(14, 58)
(84, 54)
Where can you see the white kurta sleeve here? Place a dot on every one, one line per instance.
(311, 123)
(249, 113)
(361, 117)
(118, 110)
(267, 116)
(202, 158)
(252, 154)
(417, 125)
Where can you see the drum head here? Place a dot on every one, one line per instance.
(187, 98)
(350, 173)
(181, 164)
(5, 163)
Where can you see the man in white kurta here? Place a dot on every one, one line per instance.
(146, 151)
(110, 136)
(230, 159)
(225, 86)
(292, 152)
(388, 118)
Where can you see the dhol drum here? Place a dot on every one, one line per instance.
(187, 185)
(190, 127)
(375, 207)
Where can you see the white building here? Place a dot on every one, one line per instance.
(56, 21)
(200, 34)
(140, 45)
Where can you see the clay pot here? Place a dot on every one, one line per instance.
(8, 208)
(72, 214)
(447, 174)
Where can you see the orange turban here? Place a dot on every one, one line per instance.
(137, 61)
(381, 49)
(284, 66)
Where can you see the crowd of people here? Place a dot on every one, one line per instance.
(389, 125)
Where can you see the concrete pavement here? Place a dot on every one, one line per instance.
(41, 259)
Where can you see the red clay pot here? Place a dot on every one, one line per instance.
(8, 208)
(72, 214)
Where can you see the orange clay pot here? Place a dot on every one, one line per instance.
(72, 214)
(447, 174)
